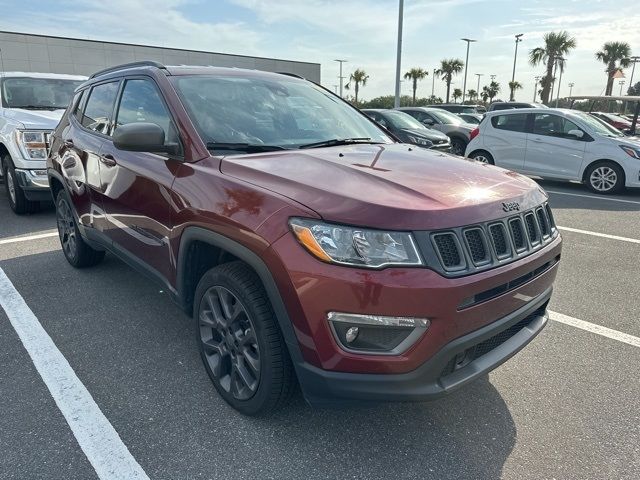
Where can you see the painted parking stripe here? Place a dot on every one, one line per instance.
(96, 436)
(597, 197)
(594, 328)
(27, 238)
(598, 234)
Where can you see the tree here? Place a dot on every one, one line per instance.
(472, 94)
(615, 55)
(490, 91)
(457, 93)
(556, 45)
(449, 68)
(359, 78)
(484, 94)
(634, 89)
(414, 75)
(513, 86)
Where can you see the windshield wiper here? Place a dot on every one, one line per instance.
(243, 147)
(338, 141)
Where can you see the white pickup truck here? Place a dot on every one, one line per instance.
(31, 105)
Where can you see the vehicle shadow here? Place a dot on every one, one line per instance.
(13, 225)
(578, 197)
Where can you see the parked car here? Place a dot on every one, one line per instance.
(462, 108)
(31, 105)
(511, 105)
(452, 125)
(614, 120)
(471, 118)
(558, 144)
(409, 130)
(306, 243)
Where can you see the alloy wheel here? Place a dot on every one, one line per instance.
(481, 158)
(11, 186)
(603, 179)
(229, 342)
(66, 229)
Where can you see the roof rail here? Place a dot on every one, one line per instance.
(294, 75)
(145, 63)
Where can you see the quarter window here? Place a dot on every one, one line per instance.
(141, 103)
(515, 122)
(97, 113)
(553, 125)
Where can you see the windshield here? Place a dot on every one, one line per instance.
(446, 117)
(37, 93)
(598, 126)
(403, 120)
(280, 112)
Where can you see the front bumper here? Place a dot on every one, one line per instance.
(34, 183)
(456, 364)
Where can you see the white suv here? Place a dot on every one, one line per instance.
(558, 144)
(31, 105)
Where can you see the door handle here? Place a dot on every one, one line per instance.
(537, 139)
(108, 160)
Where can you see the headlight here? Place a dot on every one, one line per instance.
(632, 152)
(355, 246)
(420, 141)
(32, 144)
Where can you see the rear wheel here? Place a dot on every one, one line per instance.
(77, 252)
(605, 177)
(17, 199)
(458, 146)
(482, 156)
(240, 342)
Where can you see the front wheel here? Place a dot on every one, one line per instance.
(482, 156)
(605, 178)
(18, 201)
(239, 340)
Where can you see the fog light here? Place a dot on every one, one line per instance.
(376, 334)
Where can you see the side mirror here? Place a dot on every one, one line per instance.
(142, 137)
(576, 133)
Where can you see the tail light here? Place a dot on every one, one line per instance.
(474, 133)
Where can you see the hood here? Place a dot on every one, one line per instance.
(429, 134)
(388, 186)
(36, 119)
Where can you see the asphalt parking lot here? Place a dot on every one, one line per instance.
(566, 407)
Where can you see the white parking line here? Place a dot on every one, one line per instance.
(597, 234)
(26, 238)
(96, 436)
(594, 328)
(597, 197)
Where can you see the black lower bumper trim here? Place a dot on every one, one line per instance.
(436, 377)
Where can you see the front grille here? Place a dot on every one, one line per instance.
(473, 248)
(474, 352)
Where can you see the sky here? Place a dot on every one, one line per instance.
(364, 32)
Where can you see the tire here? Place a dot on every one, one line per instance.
(483, 157)
(458, 146)
(605, 178)
(17, 199)
(77, 252)
(241, 345)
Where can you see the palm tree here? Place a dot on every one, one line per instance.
(359, 77)
(513, 86)
(491, 91)
(556, 45)
(615, 55)
(449, 68)
(414, 75)
(485, 94)
(472, 94)
(457, 93)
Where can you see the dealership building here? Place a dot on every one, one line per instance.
(40, 53)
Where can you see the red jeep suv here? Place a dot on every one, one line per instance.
(308, 244)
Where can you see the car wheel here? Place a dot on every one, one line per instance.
(239, 340)
(605, 178)
(483, 157)
(17, 199)
(458, 146)
(77, 252)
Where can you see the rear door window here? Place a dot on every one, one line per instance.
(97, 113)
(552, 125)
(514, 122)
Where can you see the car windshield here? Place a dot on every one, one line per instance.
(37, 93)
(403, 120)
(598, 126)
(271, 112)
(616, 118)
(446, 117)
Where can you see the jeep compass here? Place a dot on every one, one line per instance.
(309, 246)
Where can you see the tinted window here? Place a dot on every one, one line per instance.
(552, 125)
(514, 122)
(78, 103)
(97, 113)
(47, 93)
(141, 102)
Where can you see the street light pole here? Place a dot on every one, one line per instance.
(340, 76)
(466, 66)
(515, 57)
(433, 83)
(478, 90)
(399, 53)
(621, 82)
(571, 89)
(633, 70)
(535, 88)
